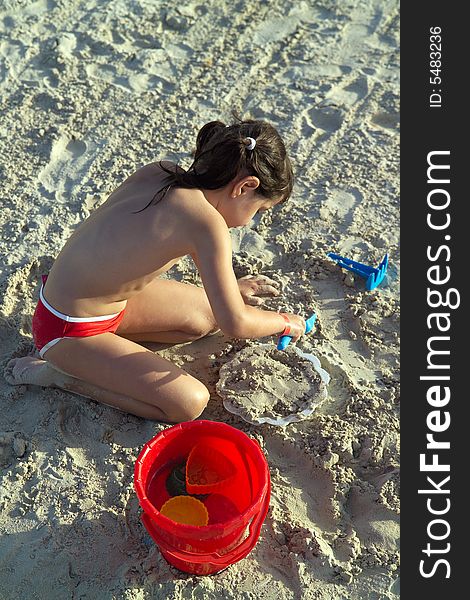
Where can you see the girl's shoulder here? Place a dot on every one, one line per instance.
(194, 204)
(188, 205)
(151, 169)
(196, 216)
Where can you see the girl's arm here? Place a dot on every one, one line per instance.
(213, 258)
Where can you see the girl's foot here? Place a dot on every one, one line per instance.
(30, 370)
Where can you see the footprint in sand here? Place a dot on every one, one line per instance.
(24, 59)
(349, 94)
(69, 158)
(76, 148)
(339, 206)
(386, 120)
(329, 118)
(275, 29)
(133, 82)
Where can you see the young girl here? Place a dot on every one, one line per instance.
(107, 277)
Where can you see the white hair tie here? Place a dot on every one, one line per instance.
(252, 143)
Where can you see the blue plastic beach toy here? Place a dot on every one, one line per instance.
(373, 275)
(285, 339)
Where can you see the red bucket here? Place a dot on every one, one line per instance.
(226, 539)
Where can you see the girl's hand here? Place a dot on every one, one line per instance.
(253, 286)
(297, 326)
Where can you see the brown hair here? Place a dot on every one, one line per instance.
(222, 153)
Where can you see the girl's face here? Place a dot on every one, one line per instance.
(240, 210)
(241, 202)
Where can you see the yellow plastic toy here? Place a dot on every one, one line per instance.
(186, 510)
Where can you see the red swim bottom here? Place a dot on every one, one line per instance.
(50, 326)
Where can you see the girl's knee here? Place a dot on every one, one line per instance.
(191, 405)
(199, 403)
(201, 326)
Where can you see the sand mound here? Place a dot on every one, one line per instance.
(264, 385)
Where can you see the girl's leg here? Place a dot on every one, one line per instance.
(168, 311)
(117, 372)
(148, 385)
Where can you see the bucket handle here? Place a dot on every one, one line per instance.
(242, 550)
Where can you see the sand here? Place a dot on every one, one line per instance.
(90, 91)
(261, 382)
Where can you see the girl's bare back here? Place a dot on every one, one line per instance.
(114, 253)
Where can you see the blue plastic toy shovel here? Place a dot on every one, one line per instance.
(373, 275)
(284, 340)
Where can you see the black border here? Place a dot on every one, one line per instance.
(426, 129)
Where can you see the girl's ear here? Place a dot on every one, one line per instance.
(251, 182)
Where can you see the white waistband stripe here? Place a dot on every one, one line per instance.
(73, 319)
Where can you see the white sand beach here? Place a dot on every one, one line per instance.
(90, 91)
